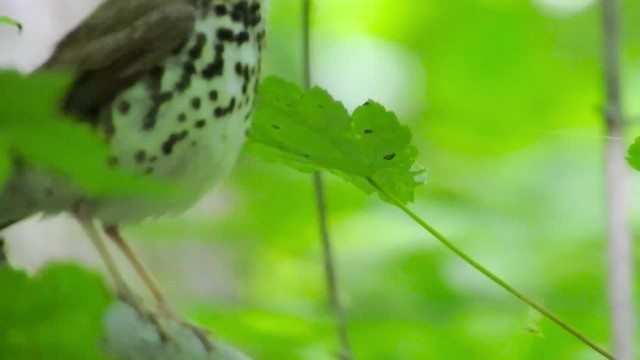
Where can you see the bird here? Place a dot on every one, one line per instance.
(169, 85)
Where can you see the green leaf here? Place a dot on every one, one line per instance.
(55, 315)
(633, 157)
(33, 128)
(310, 130)
(10, 21)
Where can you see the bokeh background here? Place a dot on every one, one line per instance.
(504, 99)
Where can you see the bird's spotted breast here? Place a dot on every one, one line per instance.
(185, 120)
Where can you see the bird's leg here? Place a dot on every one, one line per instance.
(164, 308)
(161, 301)
(122, 290)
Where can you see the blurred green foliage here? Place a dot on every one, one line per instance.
(36, 130)
(56, 315)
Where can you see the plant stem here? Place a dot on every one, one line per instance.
(318, 183)
(331, 272)
(620, 244)
(466, 258)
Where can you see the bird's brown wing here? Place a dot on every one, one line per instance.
(121, 40)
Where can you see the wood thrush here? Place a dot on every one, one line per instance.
(170, 85)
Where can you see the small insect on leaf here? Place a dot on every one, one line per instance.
(311, 130)
(9, 21)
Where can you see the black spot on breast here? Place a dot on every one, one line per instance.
(182, 117)
(173, 139)
(200, 124)
(248, 15)
(188, 70)
(225, 34)
(196, 51)
(213, 95)
(163, 97)
(222, 111)
(123, 107)
(152, 85)
(242, 37)
(220, 10)
(215, 68)
(158, 99)
(195, 103)
(140, 156)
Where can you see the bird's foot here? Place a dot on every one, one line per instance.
(127, 297)
(201, 333)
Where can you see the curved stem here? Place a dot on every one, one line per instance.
(466, 258)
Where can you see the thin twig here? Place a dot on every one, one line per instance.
(486, 272)
(318, 183)
(330, 269)
(620, 246)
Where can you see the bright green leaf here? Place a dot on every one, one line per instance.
(55, 315)
(311, 130)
